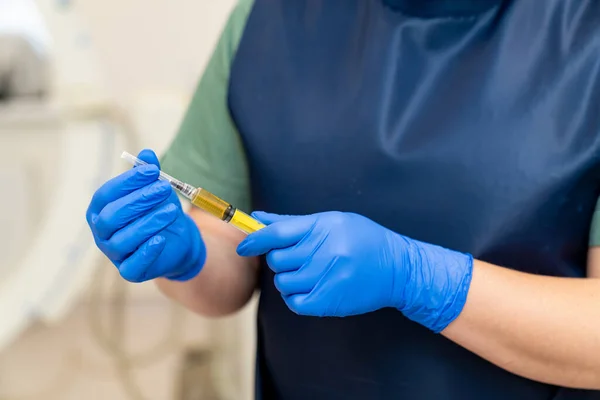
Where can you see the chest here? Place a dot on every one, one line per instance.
(418, 124)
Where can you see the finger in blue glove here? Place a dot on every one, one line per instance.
(338, 264)
(137, 221)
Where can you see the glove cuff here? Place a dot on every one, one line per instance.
(456, 302)
(197, 255)
(439, 287)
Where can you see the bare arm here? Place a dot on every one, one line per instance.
(594, 262)
(543, 328)
(226, 282)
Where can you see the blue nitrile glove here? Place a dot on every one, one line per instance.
(138, 223)
(338, 264)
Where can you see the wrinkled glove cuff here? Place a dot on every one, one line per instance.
(455, 304)
(441, 280)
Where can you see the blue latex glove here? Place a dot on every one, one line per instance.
(337, 264)
(137, 221)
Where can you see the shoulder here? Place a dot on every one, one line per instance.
(244, 6)
(234, 29)
(240, 13)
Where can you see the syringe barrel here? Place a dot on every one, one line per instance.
(206, 201)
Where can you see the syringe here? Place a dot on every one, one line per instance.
(206, 201)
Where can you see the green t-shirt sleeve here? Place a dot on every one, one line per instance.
(595, 227)
(207, 151)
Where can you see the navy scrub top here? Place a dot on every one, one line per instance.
(469, 124)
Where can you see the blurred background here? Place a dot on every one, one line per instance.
(81, 81)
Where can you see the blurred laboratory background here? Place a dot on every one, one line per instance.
(81, 81)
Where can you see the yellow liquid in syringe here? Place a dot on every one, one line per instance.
(206, 201)
(221, 209)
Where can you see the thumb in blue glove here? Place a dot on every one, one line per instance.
(137, 221)
(337, 264)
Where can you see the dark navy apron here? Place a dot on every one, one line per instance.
(473, 125)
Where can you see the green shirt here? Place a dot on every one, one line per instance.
(208, 151)
(595, 227)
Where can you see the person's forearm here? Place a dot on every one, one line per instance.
(226, 282)
(543, 328)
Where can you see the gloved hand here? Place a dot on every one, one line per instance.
(337, 264)
(137, 221)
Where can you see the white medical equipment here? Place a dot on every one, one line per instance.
(63, 148)
(47, 256)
